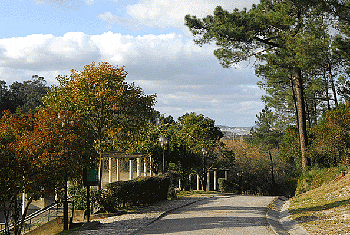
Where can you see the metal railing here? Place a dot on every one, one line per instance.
(40, 217)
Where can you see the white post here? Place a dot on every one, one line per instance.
(138, 168)
(225, 174)
(197, 182)
(208, 181)
(150, 166)
(145, 166)
(109, 170)
(215, 180)
(117, 170)
(179, 184)
(23, 202)
(130, 169)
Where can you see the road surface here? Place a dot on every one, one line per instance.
(241, 215)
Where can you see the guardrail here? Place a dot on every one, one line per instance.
(41, 217)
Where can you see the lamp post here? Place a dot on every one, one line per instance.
(163, 142)
(205, 152)
(65, 202)
(240, 175)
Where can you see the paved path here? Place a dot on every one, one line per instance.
(218, 215)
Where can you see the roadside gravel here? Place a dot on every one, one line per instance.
(131, 222)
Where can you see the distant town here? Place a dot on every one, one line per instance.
(230, 132)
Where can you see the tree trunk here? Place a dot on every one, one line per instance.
(302, 117)
(326, 87)
(294, 101)
(332, 84)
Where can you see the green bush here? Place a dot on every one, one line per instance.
(222, 185)
(79, 196)
(142, 190)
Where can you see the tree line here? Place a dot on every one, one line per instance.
(48, 135)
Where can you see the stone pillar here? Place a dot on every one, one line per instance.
(117, 169)
(197, 182)
(145, 166)
(109, 170)
(215, 181)
(138, 168)
(130, 169)
(225, 174)
(208, 181)
(150, 166)
(23, 202)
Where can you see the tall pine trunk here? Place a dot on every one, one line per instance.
(332, 85)
(302, 117)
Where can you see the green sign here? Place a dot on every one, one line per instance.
(90, 176)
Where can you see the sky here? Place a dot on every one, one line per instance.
(148, 37)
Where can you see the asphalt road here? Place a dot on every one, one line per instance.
(218, 215)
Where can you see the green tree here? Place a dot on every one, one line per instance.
(198, 133)
(286, 29)
(331, 142)
(23, 96)
(266, 134)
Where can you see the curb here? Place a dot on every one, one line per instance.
(273, 216)
(291, 225)
(277, 217)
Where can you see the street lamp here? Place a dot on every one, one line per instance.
(163, 142)
(65, 202)
(205, 152)
(240, 175)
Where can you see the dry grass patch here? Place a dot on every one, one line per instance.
(324, 210)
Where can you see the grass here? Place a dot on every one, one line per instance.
(324, 209)
(316, 177)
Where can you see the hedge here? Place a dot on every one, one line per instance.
(141, 190)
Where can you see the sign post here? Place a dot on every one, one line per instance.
(90, 178)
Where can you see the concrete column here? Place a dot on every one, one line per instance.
(145, 166)
(197, 182)
(208, 181)
(215, 181)
(117, 169)
(23, 202)
(110, 170)
(225, 174)
(138, 171)
(130, 169)
(150, 166)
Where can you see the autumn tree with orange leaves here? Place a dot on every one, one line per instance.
(37, 154)
(110, 107)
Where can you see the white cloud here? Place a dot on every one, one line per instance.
(185, 77)
(89, 2)
(47, 52)
(171, 13)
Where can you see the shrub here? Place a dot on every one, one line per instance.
(142, 190)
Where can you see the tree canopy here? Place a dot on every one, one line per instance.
(292, 40)
(110, 107)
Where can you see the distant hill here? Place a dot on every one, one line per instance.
(234, 131)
